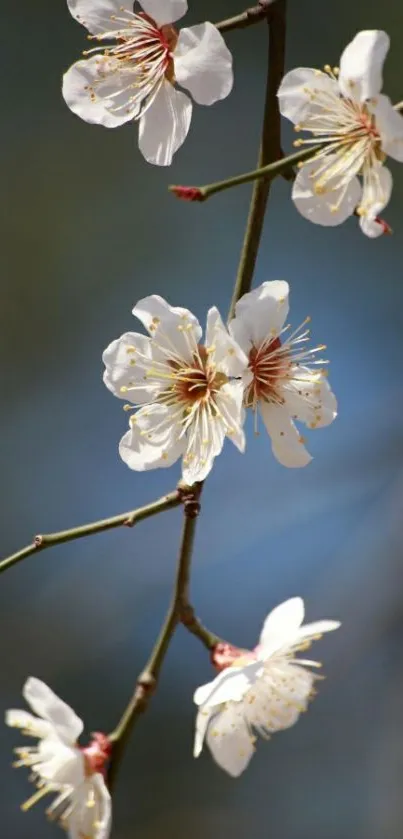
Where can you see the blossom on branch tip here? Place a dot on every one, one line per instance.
(137, 77)
(259, 691)
(58, 766)
(189, 398)
(284, 380)
(344, 109)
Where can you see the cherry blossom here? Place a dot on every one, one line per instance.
(137, 77)
(190, 393)
(260, 691)
(344, 109)
(59, 766)
(284, 380)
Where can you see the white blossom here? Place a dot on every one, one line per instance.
(188, 400)
(260, 691)
(284, 380)
(58, 765)
(344, 109)
(136, 78)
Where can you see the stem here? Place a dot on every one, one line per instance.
(247, 18)
(47, 540)
(147, 681)
(284, 167)
(180, 610)
(270, 150)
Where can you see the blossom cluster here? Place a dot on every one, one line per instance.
(187, 395)
(256, 692)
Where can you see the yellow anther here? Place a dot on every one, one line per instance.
(124, 389)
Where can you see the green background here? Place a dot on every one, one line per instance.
(87, 229)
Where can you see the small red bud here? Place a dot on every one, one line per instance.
(386, 228)
(224, 655)
(187, 193)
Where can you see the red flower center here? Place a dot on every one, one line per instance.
(267, 364)
(97, 754)
(198, 381)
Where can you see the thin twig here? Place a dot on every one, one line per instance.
(247, 18)
(47, 540)
(147, 681)
(284, 166)
(270, 150)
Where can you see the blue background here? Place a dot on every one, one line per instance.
(88, 228)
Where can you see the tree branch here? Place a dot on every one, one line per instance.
(247, 18)
(47, 540)
(283, 166)
(270, 150)
(147, 681)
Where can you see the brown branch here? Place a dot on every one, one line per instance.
(48, 540)
(270, 151)
(180, 610)
(247, 18)
(147, 681)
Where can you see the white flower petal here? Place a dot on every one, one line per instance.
(259, 313)
(230, 684)
(361, 65)
(281, 624)
(317, 628)
(230, 741)
(229, 401)
(309, 398)
(205, 439)
(165, 11)
(296, 93)
(97, 15)
(60, 764)
(32, 726)
(173, 328)
(164, 125)
(202, 721)
(126, 361)
(376, 194)
(228, 355)
(203, 63)
(99, 91)
(287, 444)
(151, 440)
(329, 208)
(90, 820)
(47, 705)
(389, 123)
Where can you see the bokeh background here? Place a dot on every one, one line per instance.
(87, 229)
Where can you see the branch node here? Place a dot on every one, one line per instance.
(187, 614)
(38, 541)
(146, 685)
(192, 508)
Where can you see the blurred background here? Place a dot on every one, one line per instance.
(88, 228)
